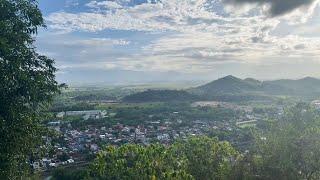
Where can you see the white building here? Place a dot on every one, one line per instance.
(79, 113)
(316, 104)
(163, 137)
(92, 114)
(60, 114)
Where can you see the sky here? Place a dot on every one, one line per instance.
(140, 41)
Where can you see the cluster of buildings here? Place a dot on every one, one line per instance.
(90, 114)
(79, 144)
(49, 163)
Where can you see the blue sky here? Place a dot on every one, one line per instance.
(130, 41)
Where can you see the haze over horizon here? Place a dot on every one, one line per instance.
(136, 41)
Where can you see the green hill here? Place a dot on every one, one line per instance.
(160, 96)
(302, 87)
(227, 85)
(230, 86)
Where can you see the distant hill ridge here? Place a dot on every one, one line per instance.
(234, 85)
(231, 88)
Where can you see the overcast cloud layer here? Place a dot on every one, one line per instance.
(204, 38)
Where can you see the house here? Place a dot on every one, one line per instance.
(69, 161)
(45, 162)
(60, 115)
(163, 137)
(54, 123)
(94, 147)
(103, 128)
(316, 104)
(126, 130)
(53, 165)
(86, 117)
(36, 166)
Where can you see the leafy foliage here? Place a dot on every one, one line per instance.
(138, 162)
(195, 158)
(289, 148)
(27, 84)
(207, 158)
(64, 174)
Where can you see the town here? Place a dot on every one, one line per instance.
(80, 135)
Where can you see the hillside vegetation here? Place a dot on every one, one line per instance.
(231, 88)
(233, 85)
(160, 96)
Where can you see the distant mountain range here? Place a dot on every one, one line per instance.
(231, 88)
(233, 85)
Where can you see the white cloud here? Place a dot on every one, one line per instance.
(196, 34)
(167, 15)
(103, 42)
(104, 4)
(71, 3)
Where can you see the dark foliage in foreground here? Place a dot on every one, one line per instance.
(27, 84)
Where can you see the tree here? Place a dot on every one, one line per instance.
(27, 84)
(67, 174)
(138, 162)
(289, 148)
(194, 158)
(207, 158)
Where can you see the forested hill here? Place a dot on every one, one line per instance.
(231, 85)
(227, 85)
(160, 96)
(231, 88)
(305, 86)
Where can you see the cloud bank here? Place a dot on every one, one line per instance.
(277, 7)
(190, 35)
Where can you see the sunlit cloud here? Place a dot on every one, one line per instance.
(193, 35)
